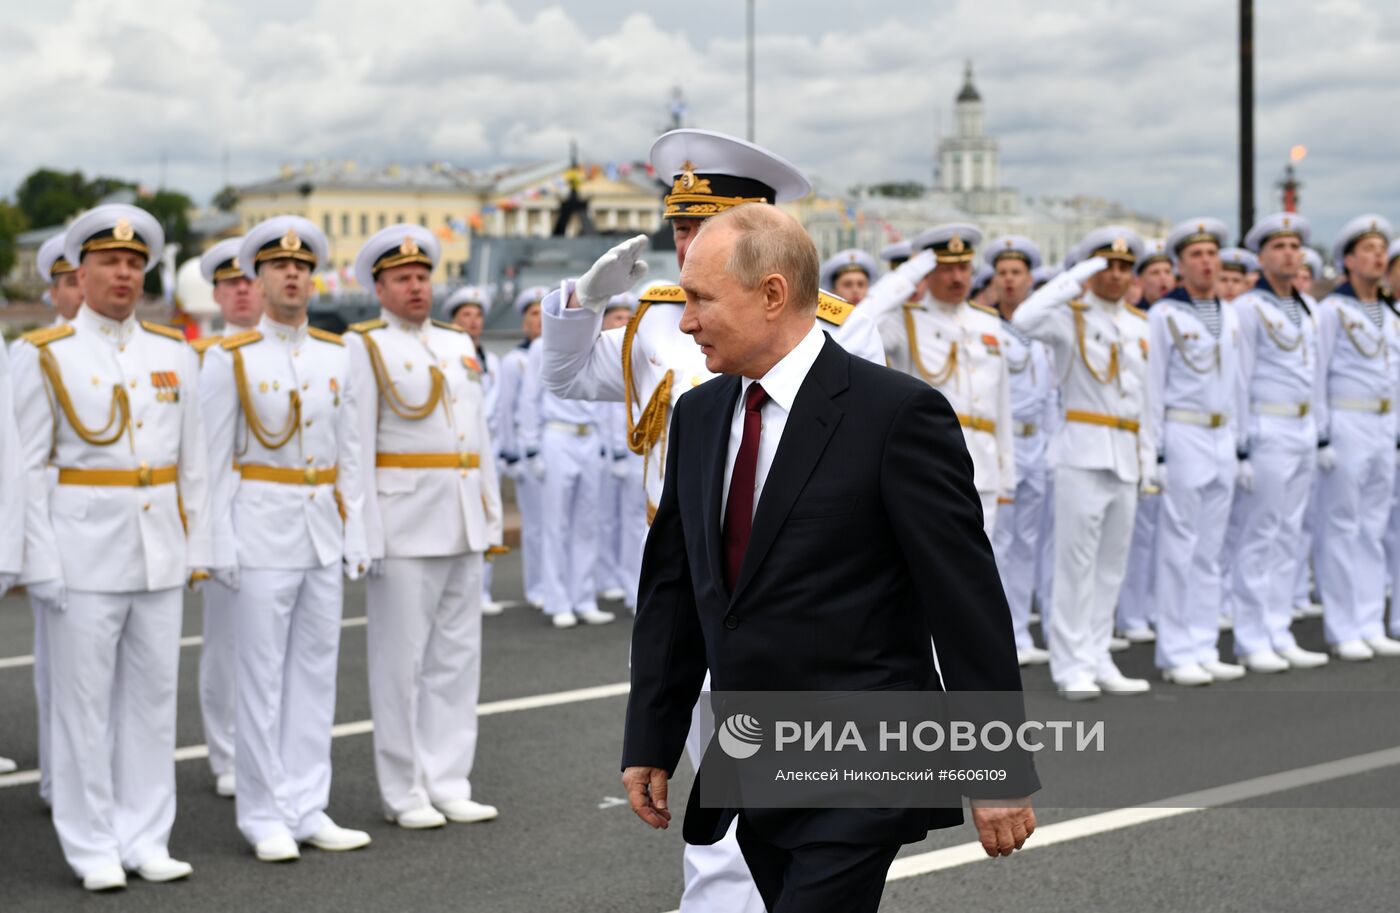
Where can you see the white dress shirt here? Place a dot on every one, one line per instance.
(781, 383)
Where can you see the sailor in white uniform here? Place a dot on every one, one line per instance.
(510, 389)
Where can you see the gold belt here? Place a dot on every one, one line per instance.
(1025, 429)
(580, 430)
(287, 475)
(977, 423)
(120, 478)
(464, 460)
(1097, 418)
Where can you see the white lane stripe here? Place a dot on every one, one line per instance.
(20, 662)
(1104, 822)
(361, 727)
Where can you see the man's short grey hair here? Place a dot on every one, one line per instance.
(767, 241)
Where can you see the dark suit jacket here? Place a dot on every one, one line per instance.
(867, 539)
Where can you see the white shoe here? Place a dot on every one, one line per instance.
(1121, 684)
(1265, 662)
(7, 766)
(418, 819)
(1299, 658)
(563, 620)
(1080, 691)
(1298, 613)
(492, 607)
(1140, 635)
(465, 811)
(1224, 672)
(336, 839)
(1032, 656)
(164, 869)
(1190, 675)
(1117, 644)
(536, 603)
(280, 848)
(225, 785)
(1311, 610)
(112, 878)
(613, 593)
(1226, 622)
(1353, 651)
(596, 617)
(1033, 618)
(1383, 646)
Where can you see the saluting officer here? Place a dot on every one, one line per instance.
(432, 509)
(112, 403)
(280, 413)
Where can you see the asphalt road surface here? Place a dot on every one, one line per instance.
(1284, 803)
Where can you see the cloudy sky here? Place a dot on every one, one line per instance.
(1133, 101)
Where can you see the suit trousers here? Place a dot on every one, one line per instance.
(817, 877)
(217, 696)
(570, 504)
(115, 659)
(424, 646)
(1093, 522)
(1135, 601)
(1016, 542)
(288, 640)
(43, 700)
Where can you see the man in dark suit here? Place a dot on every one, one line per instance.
(818, 525)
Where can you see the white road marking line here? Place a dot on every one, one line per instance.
(20, 662)
(360, 727)
(1104, 822)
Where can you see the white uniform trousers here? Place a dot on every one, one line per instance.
(606, 572)
(570, 502)
(1093, 522)
(424, 647)
(989, 512)
(632, 529)
(1353, 512)
(287, 641)
(1045, 552)
(716, 876)
(43, 700)
(1303, 581)
(1016, 543)
(1229, 552)
(114, 659)
(216, 676)
(1263, 567)
(1392, 558)
(1135, 600)
(529, 495)
(1195, 509)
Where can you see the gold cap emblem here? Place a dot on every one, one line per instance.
(409, 247)
(122, 231)
(1008, 243)
(687, 177)
(1287, 222)
(290, 241)
(955, 244)
(1119, 245)
(233, 264)
(1201, 227)
(1373, 225)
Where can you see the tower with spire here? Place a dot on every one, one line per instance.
(967, 161)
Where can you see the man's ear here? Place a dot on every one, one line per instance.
(775, 295)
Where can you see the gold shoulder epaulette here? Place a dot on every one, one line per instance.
(239, 339)
(664, 294)
(832, 309)
(448, 326)
(46, 335)
(325, 335)
(205, 343)
(364, 326)
(161, 329)
(984, 309)
(1136, 312)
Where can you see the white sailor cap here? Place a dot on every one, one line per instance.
(220, 262)
(624, 300)
(896, 253)
(50, 259)
(1191, 231)
(1018, 247)
(1045, 273)
(532, 295)
(1360, 227)
(1112, 242)
(847, 261)
(981, 277)
(1239, 260)
(711, 172)
(398, 245)
(1313, 261)
(1280, 224)
(1154, 250)
(115, 226)
(463, 296)
(955, 242)
(282, 238)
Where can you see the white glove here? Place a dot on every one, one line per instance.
(1326, 458)
(51, 594)
(376, 567)
(619, 468)
(355, 567)
(1244, 476)
(7, 581)
(1086, 270)
(228, 576)
(917, 267)
(1155, 478)
(536, 466)
(612, 274)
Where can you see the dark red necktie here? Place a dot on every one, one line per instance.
(738, 511)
